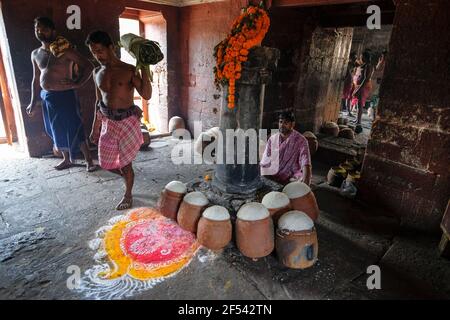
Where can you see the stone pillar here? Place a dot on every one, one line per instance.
(242, 176)
(407, 161)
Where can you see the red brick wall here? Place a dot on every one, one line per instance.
(156, 29)
(99, 14)
(291, 31)
(171, 17)
(407, 164)
(202, 27)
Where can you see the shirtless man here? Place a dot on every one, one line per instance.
(348, 82)
(119, 136)
(60, 106)
(362, 83)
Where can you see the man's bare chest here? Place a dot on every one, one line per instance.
(46, 60)
(108, 79)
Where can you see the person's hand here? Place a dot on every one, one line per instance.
(94, 136)
(30, 109)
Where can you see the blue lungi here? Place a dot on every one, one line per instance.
(62, 120)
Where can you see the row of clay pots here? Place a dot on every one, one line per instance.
(339, 129)
(347, 170)
(212, 225)
(296, 246)
(295, 241)
(254, 224)
(295, 196)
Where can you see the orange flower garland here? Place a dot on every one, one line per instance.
(247, 31)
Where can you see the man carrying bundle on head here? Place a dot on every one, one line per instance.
(116, 128)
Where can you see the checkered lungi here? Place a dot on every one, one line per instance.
(119, 142)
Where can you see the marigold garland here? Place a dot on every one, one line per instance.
(248, 30)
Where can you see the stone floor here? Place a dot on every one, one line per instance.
(47, 218)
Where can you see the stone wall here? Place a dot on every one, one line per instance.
(407, 164)
(375, 40)
(100, 14)
(308, 80)
(202, 27)
(319, 91)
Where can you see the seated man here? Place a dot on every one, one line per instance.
(286, 157)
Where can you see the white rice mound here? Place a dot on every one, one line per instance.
(196, 198)
(216, 213)
(296, 189)
(253, 211)
(295, 221)
(176, 186)
(275, 199)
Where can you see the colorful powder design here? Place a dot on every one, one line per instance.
(138, 251)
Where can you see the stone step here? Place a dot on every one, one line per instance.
(335, 150)
(403, 256)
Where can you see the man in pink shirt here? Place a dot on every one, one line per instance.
(286, 157)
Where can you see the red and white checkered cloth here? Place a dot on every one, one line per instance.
(119, 142)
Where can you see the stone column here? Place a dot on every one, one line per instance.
(242, 175)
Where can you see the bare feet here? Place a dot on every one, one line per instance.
(65, 164)
(125, 203)
(91, 167)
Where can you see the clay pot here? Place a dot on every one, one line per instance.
(342, 121)
(277, 203)
(356, 165)
(330, 128)
(347, 133)
(353, 177)
(336, 176)
(254, 231)
(191, 210)
(176, 123)
(171, 198)
(347, 166)
(214, 228)
(313, 143)
(302, 199)
(296, 240)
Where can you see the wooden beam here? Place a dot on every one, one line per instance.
(130, 14)
(309, 3)
(7, 107)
